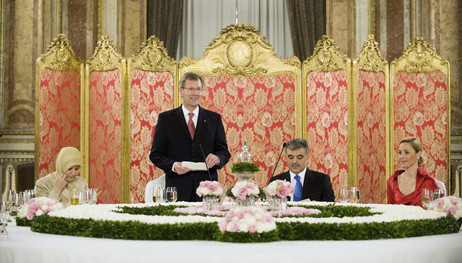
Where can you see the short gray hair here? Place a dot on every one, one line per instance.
(296, 144)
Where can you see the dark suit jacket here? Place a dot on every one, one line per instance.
(316, 186)
(172, 143)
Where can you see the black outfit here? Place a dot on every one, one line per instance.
(172, 143)
(316, 186)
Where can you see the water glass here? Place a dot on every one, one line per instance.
(92, 196)
(158, 194)
(427, 197)
(171, 194)
(4, 217)
(10, 198)
(344, 195)
(19, 200)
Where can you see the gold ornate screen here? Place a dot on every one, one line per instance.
(58, 104)
(152, 77)
(257, 95)
(329, 107)
(106, 147)
(370, 76)
(420, 106)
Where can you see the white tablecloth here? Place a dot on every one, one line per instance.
(23, 245)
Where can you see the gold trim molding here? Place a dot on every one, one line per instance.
(369, 58)
(153, 56)
(326, 57)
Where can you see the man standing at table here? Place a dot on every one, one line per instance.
(189, 133)
(308, 184)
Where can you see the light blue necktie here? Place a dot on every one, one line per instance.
(298, 189)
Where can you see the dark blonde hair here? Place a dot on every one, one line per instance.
(417, 145)
(190, 76)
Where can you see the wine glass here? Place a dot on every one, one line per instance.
(10, 198)
(343, 195)
(158, 194)
(92, 196)
(438, 193)
(354, 195)
(74, 197)
(171, 194)
(19, 200)
(427, 197)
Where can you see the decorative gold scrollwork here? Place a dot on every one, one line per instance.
(152, 56)
(60, 56)
(370, 59)
(105, 57)
(326, 57)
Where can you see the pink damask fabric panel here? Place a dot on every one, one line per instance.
(371, 138)
(151, 94)
(105, 134)
(260, 110)
(59, 116)
(420, 110)
(327, 125)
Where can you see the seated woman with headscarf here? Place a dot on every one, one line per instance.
(60, 183)
(405, 186)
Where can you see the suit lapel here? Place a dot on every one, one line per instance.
(181, 122)
(307, 184)
(201, 122)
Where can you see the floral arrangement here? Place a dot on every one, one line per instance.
(449, 204)
(249, 219)
(39, 206)
(210, 188)
(280, 188)
(243, 189)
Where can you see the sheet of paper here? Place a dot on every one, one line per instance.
(195, 166)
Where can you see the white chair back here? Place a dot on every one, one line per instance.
(151, 186)
(442, 186)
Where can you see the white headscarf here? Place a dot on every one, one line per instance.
(67, 157)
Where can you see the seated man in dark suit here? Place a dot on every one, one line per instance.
(308, 184)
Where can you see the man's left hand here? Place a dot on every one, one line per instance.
(212, 160)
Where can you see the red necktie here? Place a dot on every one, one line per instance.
(191, 127)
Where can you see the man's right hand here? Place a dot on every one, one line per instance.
(180, 169)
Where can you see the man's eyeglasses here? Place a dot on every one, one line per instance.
(193, 89)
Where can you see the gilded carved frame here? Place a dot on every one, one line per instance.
(370, 59)
(105, 58)
(421, 57)
(59, 57)
(240, 50)
(327, 58)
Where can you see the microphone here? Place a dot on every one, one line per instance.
(203, 155)
(283, 147)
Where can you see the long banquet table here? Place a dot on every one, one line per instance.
(23, 245)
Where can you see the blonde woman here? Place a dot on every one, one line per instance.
(405, 186)
(60, 183)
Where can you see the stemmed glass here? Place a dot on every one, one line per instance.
(427, 197)
(92, 196)
(438, 193)
(158, 194)
(19, 200)
(171, 194)
(354, 195)
(10, 198)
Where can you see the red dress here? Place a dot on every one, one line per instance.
(423, 180)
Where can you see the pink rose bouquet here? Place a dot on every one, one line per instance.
(243, 189)
(39, 206)
(248, 219)
(280, 188)
(211, 188)
(449, 204)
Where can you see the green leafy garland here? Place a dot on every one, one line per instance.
(135, 230)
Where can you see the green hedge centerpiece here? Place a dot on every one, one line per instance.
(245, 170)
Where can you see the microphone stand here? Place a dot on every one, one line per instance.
(203, 156)
(283, 147)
